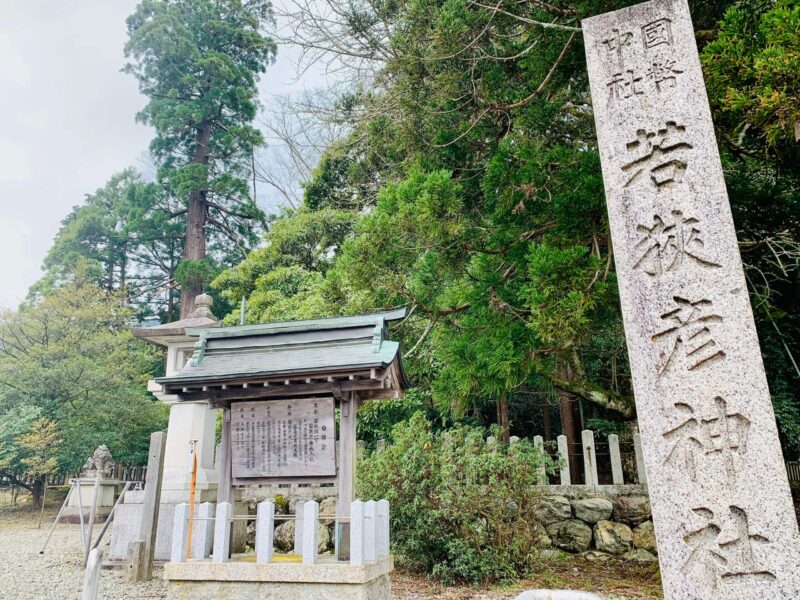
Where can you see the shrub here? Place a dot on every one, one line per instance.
(462, 509)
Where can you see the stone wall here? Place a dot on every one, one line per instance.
(597, 521)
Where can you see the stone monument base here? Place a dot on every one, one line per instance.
(105, 501)
(326, 580)
(128, 516)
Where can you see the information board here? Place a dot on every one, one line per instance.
(283, 438)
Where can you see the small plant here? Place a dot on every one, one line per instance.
(281, 505)
(462, 509)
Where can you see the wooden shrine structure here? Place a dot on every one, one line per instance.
(279, 385)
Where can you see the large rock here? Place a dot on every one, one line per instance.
(611, 537)
(639, 555)
(553, 509)
(284, 537)
(571, 535)
(631, 509)
(328, 506)
(644, 537)
(592, 510)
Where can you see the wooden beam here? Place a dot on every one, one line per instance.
(346, 474)
(224, 484)
(148, 526)
(223, 395)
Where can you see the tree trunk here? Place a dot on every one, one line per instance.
(502, 418)
(570, 424)
(36, 492)
(548, 433)
(123, 266)
(194, 247)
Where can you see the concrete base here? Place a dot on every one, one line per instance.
(127, 518)
(326, 580)
(105, 501)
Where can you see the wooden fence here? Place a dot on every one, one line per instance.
(119, 470)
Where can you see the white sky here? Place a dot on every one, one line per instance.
(68, 119)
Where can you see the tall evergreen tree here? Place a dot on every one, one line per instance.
(198, 62)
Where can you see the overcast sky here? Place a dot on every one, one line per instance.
(68, 119)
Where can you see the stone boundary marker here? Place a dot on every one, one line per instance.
(722, 511)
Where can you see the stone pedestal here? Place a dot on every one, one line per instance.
(189, 422)
(105, 501)
(326, 580)
(125, 527)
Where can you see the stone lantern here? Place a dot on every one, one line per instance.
(188, 421)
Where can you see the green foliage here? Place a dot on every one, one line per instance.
(281, 505)
(462, 510)
(472, 162)
(70, 359)
(376, 419)
(752, 72)
(283, 279)
(204, 270)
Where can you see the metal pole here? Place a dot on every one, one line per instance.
(111, 515)
(80, 512)
(92, 516)
(192, 487)
(58, 516)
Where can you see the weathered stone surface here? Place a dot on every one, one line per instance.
(639, 555)
(632, 509)
(328, 506)
(721, 504)
(284, 537)
(611, 537)
(595, 556)
(554, 554)
(592, 510)
(571, 535)
(644, 537)
(553, 509)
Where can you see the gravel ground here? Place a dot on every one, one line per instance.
(58, 573)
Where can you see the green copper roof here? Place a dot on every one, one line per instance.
(292, 347)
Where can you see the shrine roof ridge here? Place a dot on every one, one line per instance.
(302, 325)
(232, 366)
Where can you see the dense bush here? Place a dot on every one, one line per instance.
(462, 509)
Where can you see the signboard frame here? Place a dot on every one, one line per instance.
(330, 404)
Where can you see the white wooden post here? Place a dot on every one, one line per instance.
(357, 532)
(298, 528)
(180, 533)
(538, 442)
(370, 522)
(382, 529)
(310, 532)
(91, 580)
(589, 457)
(616, 460)
(265, 531)
(637, 451)
(203, 538)
(563, 451)
(222, 532)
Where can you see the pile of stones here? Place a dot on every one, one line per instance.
(598, 527)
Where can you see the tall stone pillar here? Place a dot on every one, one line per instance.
(189, 422)
(722, 511)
